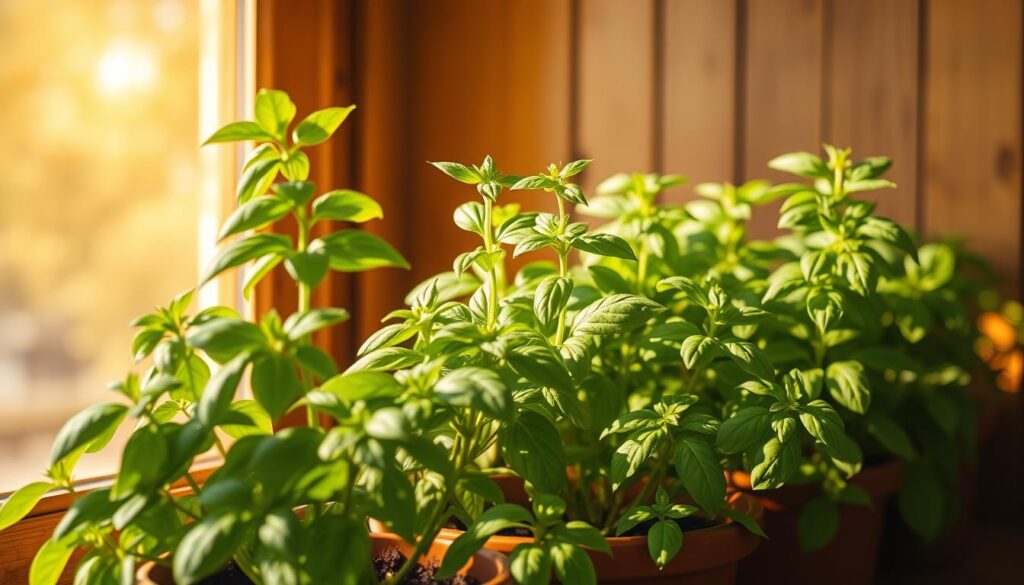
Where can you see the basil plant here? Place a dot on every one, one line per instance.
(837, 342)
(529, 353)
(287, 502)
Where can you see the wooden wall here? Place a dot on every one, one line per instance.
(708, 88)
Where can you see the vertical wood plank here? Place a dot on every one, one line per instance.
(699, 90)
(782, 109)
(972, 177)
(972, 132)
(384, 30)
(476, 89)
(298, 51)
(616, 71)
(873, 92)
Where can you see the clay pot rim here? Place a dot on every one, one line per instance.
(736, 501)
(739, 501)
(879, 481)
(482, 556)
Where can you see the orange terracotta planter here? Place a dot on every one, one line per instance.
(851, 556)
(709, 556)
(488, 567)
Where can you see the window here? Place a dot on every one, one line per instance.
(100, 208)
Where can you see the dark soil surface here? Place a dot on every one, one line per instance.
(231, 575)
(386, 564)
(686, 524)
(390, 561)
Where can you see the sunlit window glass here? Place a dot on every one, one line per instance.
(98, 202)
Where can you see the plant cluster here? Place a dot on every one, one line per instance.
(623, 388)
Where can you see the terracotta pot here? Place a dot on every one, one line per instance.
(488, 567)
(851, 556)
(708, 557)
(904, 552)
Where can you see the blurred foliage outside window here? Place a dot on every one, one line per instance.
(98, 202)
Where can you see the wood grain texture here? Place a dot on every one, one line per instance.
(302, 49)
(972, 178)
(383, 116)
(19, 543)
(699, 87)
(616, 69)
(972, 127)
(783, 90)
(485, 78)
(872, 94)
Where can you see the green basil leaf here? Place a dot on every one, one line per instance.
(534, 182)
(745, 521)
(489, 523)
(143, 461)
(94, 507)
(309, 267)
(216, 398)
(256, 420)
(245, 249)
(550, 299)
(748, 427)
(774, 464)
(583, 534)
(803, 164)
(387, 336)
(320, 125)
(223, 339)
(530, 564)
(50, 561)
(824, 424)
(818, 523)
(848, 386)
(574, 168)
(470, 217)
(21, 502)
(386, 358)
(388, 424)
(541, 367)
(608, 280)
(355, 251)
(207, 545)
(362, 385)
(664, 540)
(477, 388)
(256, 179)
(299, 325)
(749, 357)
(346, 205)
(604, 245)
(699, 350)
(572, 564)
(614, 314)
(825, 307)
(531, 446)
(255, 213)
(237, 132)
(275, 383)
(891, 436)
(86, 427)
(459, 172)
(701, 473)
(274, 112)
(633, 453)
